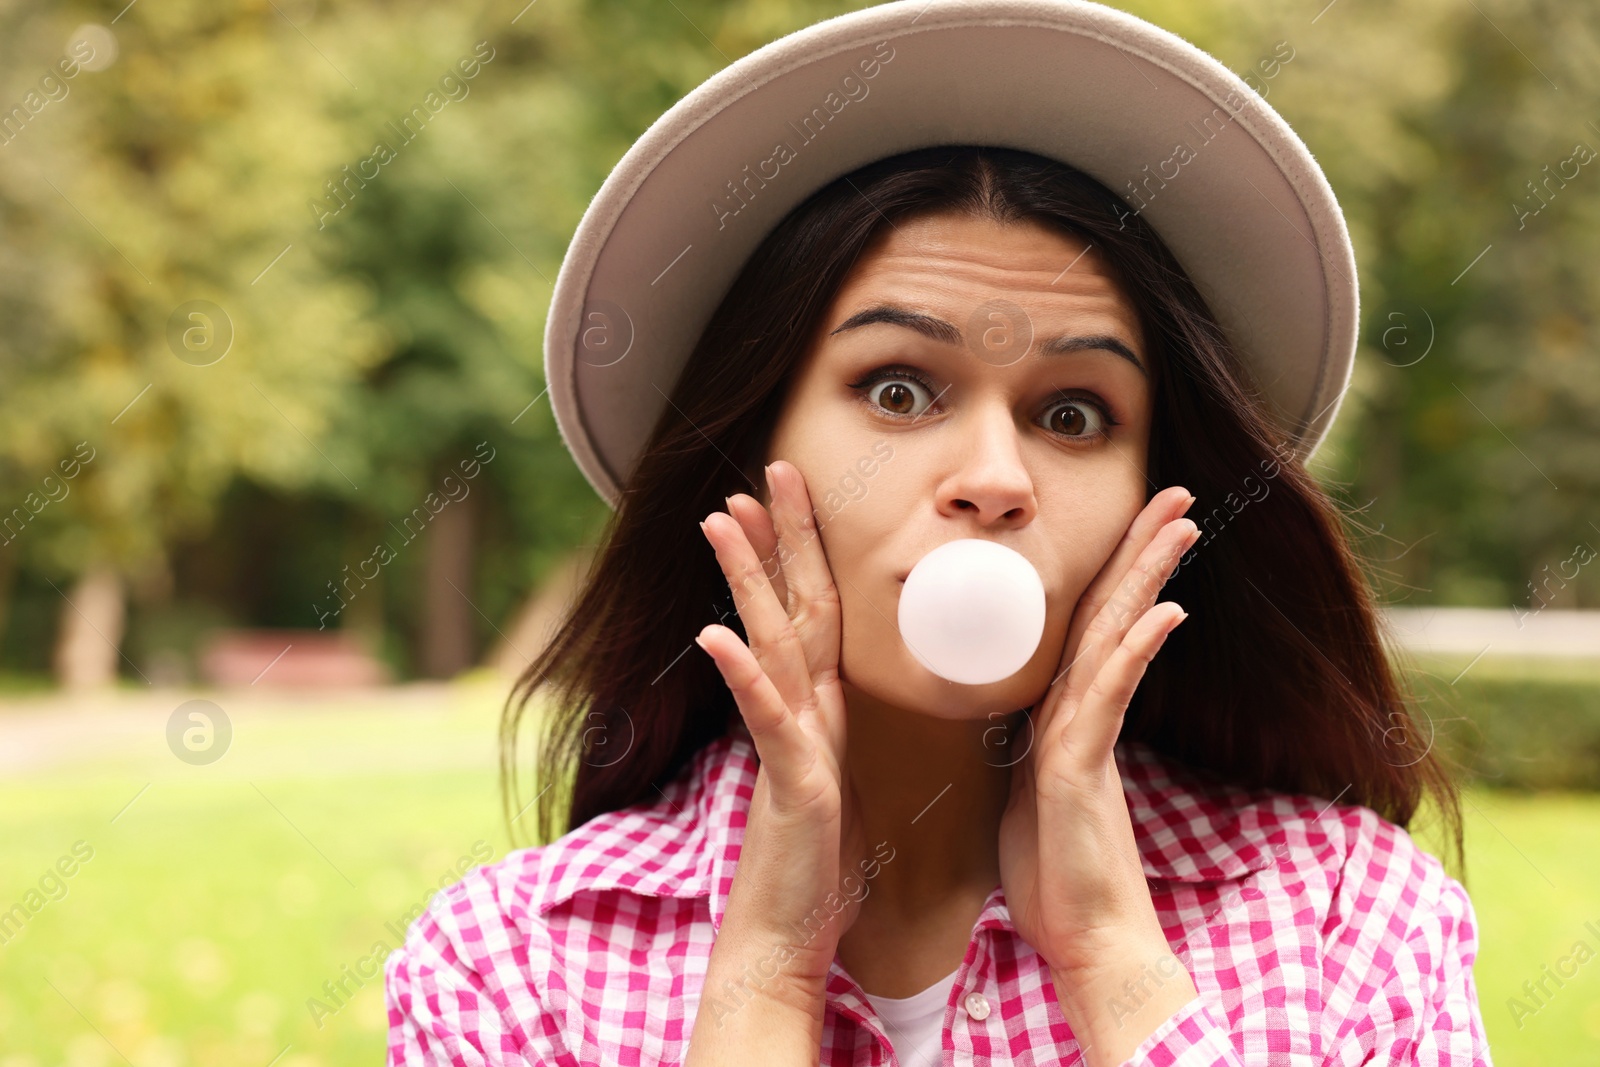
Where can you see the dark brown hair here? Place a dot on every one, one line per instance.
(1280, 681)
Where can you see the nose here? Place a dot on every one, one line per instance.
(990, 482)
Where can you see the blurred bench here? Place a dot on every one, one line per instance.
(286, 659)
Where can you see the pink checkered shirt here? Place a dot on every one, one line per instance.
(1316, 933)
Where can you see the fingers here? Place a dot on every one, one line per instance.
(785, 749)
(1128, 583)
(1162, 508)
(813, 595)
(1141, 583)
(774, 642)
(1092, 730)
(758, 530)
(785, 596)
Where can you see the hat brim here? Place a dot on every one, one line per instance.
(1246, 209)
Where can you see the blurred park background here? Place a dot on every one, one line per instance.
(276, 440)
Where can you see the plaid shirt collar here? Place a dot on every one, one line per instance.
(687, 843)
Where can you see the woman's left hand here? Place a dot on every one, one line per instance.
(1069, 865)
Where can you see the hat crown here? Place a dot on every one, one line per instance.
(1189, 146)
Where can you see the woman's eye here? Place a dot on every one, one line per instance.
(898, 395)
(902, 393)
(1076, 418)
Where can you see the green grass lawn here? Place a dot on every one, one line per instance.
(1534, 876)
(217, 904)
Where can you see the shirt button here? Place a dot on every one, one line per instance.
(977, 1006)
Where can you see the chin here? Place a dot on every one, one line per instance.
(899, 680)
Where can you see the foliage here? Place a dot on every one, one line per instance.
(1482, 716)
(375, 346)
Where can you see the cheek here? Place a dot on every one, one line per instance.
(1094, 523)
(1097, 523)
(868, 642)
(855, 530)
(851, 519)
(868, 639)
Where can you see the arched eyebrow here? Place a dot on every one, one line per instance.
(939, 330)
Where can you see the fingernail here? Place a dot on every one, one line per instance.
(728, 500)
(1187, 504)
(701, 643)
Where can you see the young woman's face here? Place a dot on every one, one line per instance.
(970, 379)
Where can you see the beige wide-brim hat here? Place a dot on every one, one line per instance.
(1246, 209)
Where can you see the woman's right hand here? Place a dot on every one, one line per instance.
(786, 684)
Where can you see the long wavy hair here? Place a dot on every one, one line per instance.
(1280, 681)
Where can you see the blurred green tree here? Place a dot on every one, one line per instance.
(254, 449)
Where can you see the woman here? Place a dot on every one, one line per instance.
(805, 845)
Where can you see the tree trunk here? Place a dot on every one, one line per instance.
(448, 617)
(8, 579)
(90, 633)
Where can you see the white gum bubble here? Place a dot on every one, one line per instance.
(972, 611)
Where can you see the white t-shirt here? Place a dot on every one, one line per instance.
(915, 1023)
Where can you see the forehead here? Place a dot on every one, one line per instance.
(954, 264)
